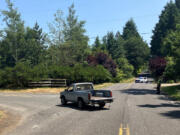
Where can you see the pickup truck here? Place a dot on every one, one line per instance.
(84, 94)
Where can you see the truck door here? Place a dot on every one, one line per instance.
(69, 93)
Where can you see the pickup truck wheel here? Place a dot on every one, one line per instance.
(80, 104)
(101, 105)
(63, 101)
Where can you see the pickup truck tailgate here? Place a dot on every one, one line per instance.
(101, 99)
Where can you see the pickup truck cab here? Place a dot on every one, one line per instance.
(84, 94)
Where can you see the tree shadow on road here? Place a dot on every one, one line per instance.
(172, 114)
(86, 108)
(139, 91)
(161, 105)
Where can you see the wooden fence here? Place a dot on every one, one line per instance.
(49, 83)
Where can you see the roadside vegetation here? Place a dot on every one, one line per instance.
(165, 49)
(172, 91)
(29, 54)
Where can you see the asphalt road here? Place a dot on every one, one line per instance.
(137, 110)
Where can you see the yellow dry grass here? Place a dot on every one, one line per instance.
(130, 80)
(48, 90)
(100, 86)
(170, 84)
(35, 90)
(2, 115)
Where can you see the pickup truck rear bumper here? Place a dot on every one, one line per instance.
(101, 100)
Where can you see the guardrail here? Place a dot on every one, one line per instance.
(49, 83)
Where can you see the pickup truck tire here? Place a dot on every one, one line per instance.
(63, 100)
(80, 104)
(101, 105)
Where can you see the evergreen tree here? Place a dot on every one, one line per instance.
(56, 29)
(137, 53)
(97, 46)
(167, 22)
(34, 47)
(14, 35)
(171, 43)
(119, 51)
(74, 36)
(177, 4)
(110, 43)
(97, 42)
(130, 30)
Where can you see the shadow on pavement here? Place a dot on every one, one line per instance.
(86, 108)
(161, 105)
(172, 114)
(138, 91)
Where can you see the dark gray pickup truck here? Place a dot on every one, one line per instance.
(84, 94)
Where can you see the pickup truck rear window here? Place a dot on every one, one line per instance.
(84, 87)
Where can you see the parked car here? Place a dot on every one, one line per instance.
(141, 80)
(84, 94)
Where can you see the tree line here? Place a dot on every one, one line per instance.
(165, 44)
(29, 54)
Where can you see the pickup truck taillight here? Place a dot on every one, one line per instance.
(110, 93)
(89, 96)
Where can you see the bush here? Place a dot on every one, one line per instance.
(104, 60)
(126, 68)
(170, 72)
(22, 73)
(80, 73)
(18, 76)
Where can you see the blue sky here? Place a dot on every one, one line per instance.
(101, 16)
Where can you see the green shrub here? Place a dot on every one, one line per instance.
(22, 73)
(18, 76)
(80, 73)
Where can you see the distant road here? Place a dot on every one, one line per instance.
(137, 110)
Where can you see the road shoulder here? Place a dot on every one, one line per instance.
(8, 121)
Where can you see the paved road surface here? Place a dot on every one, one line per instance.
(137, 110)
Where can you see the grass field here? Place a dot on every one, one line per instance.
(130, 80)
(100, 86)
(172, 91)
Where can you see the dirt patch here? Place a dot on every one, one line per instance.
(8, 122)
(2, 115)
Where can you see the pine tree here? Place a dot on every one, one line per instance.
(73, 29)
(119, 50)
(167, 22)
(110, 43)
(97, 46)
(97, 43)
(137, 53)
(14, 34)
(56, 29)
(177, 4)
(130, 30)
(34, 50)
